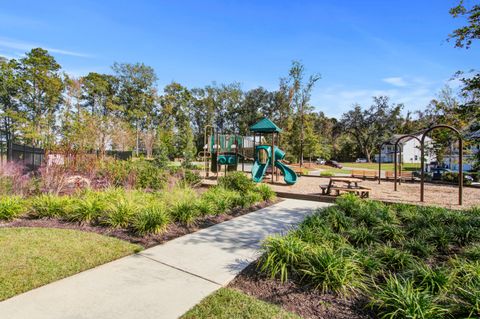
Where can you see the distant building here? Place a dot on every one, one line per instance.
(410, 150)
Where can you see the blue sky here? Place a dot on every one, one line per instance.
(361, 48)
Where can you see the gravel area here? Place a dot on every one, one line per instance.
(435, 194)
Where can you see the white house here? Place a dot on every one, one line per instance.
(410, 149)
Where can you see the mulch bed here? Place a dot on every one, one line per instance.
(301, 300)
(174, 230)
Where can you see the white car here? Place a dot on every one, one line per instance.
(320, 161)
(361, 160)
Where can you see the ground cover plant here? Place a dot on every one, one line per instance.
(405, 261)
(232, 304)
(32, 257)
(140, 212)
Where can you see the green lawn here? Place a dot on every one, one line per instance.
(231, 304)
(32, 257)
(385, 166)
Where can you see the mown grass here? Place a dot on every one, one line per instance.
(409, 261)
(231, 304)
(32, 257)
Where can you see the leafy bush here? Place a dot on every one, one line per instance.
(151, 220)
(236, 181)
(50, 206)
(205, 207)
(221, 199)
(88, 208)
(11, 207)
(378, 249)
(331, 270)
(266, 192)
(185, 211)
(190, 178)
(399, 298)
(283, 255)
(120, 213)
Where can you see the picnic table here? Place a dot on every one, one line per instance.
(350, 185)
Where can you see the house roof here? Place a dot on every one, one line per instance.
(475, 135)
(265, 126)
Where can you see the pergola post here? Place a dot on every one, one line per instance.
(460, 161)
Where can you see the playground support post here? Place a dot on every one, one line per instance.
(460, 162)
(395, 153)
(205, 141)
(273, 157)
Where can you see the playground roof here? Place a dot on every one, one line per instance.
(265, 126)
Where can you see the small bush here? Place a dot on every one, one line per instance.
(190, 178)
(205, 207)
(151, 220)
(236, 181)
(399, 298)
(50, 206)
(11, 207)
(120, 213)
(88, 209)
(331, 270)
(266, 192)
(185, 212)
(394, 259)
(283, 255)
(361, 236)
(222, 199)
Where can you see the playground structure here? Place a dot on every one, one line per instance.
(398, 168)
(229, 150)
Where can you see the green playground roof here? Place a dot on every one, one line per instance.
(265, 126)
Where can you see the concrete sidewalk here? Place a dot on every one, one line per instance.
(164, 281)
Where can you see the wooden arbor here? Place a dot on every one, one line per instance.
(395, 161)
(460, 161)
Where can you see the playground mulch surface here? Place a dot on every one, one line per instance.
(173, 231)
(408, 192)
(292, 297)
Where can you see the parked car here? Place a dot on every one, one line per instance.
(333, 164)
(361, 160)
(437, 173)
(320, 161)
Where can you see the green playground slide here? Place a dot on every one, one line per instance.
(289, 175)
(259, 169)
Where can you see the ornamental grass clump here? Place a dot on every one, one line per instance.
(50, 206)
(407, 261)
(11, 207)
(151, 219)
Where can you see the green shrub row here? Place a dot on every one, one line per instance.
(410, 261)
(144, 213)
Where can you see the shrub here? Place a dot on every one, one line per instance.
(151, 220)
(222, 199)
(326, 174)
(89, 208)
(283, 255)
(205, 207)
(247, 199)
(185, 211)
(419, 248)
(394, 259)
(331, 270)
(50, 206)
(266, 192)
(121, 213)
(361, 236)
(11, 207)
(149, 176)
(236, 181)
(399, 298)
(433, 279)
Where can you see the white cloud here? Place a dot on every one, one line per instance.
(20, 45)
(396, 81)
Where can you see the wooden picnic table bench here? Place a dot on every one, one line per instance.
(363, 192)
(351, 186)
(364, 174)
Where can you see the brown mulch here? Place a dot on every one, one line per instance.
(174, 230)
(306, 302)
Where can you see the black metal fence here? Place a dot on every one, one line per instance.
(31, 157)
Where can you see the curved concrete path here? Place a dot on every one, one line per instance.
(164, 281)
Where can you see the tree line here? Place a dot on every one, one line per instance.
(43, 106)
